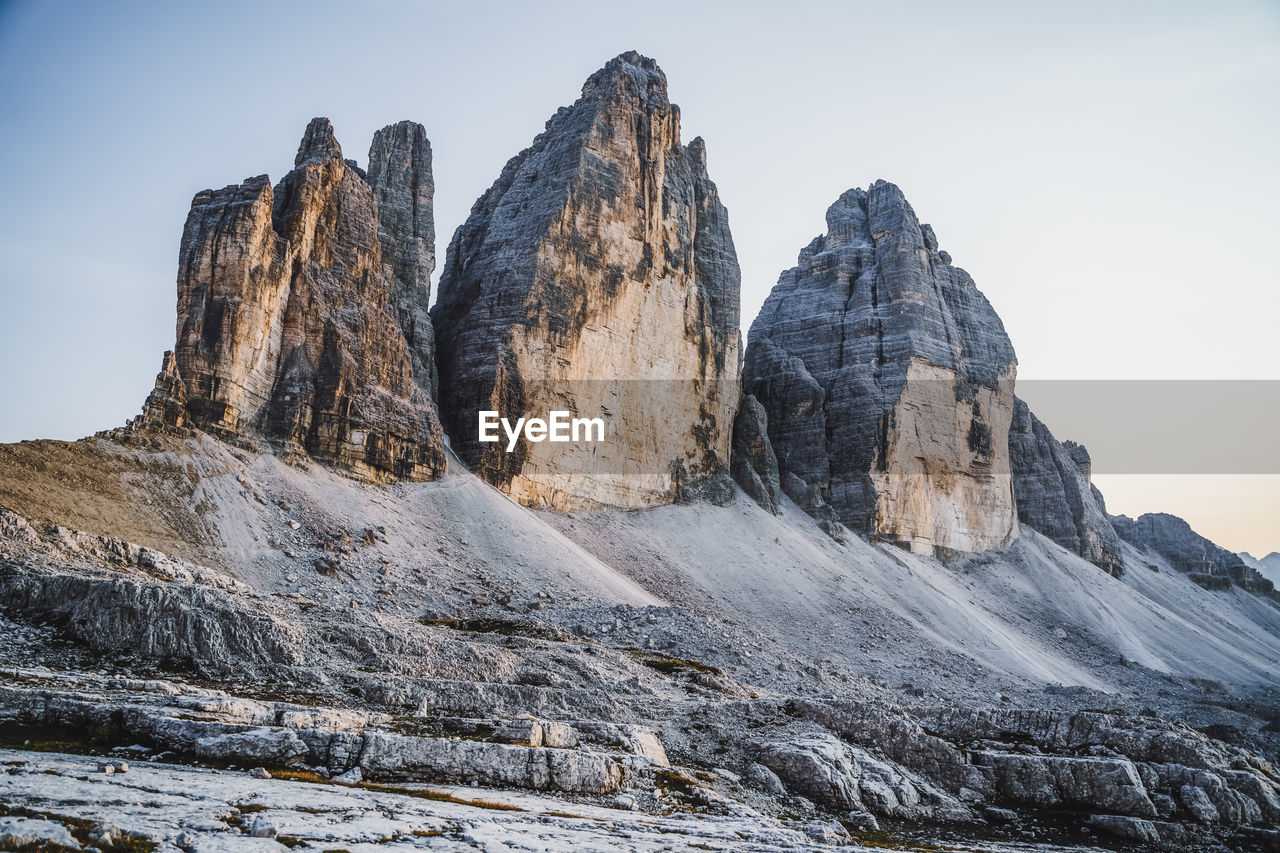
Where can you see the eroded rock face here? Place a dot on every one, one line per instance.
(888, 383)
(301, 311)
(596, 276)
(1208, 564)
(1053, 494)
(754, 465)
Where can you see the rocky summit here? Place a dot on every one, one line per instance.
(302, 311)
(867, 601)
(887, 379)
(597, 276)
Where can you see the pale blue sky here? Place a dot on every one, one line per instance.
(1106, 171)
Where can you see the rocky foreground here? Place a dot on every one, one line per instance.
(353, 656)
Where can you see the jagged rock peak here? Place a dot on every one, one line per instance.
(402, 181)
(318, 143)
(288, 326)
(601, 257)
(888, 383)
(628, 74)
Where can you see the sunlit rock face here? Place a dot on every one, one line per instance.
(1053, 493)
(888, 383)
(302, 311)
(597, 276)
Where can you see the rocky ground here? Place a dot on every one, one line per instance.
(741, 678)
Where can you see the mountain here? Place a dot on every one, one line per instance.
(887, 379)
(302, 311)
(1208, 564)
(598, 276)
(282, 605)
(1268, 566)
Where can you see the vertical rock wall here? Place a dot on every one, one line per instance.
(888, 383)
(1053, 493)
(291, 302)
(596, 276)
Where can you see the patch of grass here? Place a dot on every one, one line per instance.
(889, 838)
(11, 846)
(80, 829)
(502, 627)
(290, 841)
(417, 793)
(572, 816)
(94, 739)
(439, 796)
(250, 808)
(675, 666)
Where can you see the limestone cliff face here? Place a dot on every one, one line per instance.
(596, 276)
(1053, 494)
(888, 383)
(754, 465)
(1207, 563)
(301, 311)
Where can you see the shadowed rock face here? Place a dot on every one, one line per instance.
(1053, 494)
(888, 382)
(1208, 564)
(301, 311)
(754, 465)
(598, 276)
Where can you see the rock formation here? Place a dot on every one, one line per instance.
(1208, 564)
(754, 464)
(888, 383)
(1053, 494)
(302, 311)
(596, 276)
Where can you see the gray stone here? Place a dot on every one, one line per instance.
(759, 776)
(1208, 564)
(1130, 828)
(597, 276)
(400, 174)
(887, 380)
(1053, 494)
(753, 463)
(262, 828)
(290, 317)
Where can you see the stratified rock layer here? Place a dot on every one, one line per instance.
(301, 311)
(1052, 491)
(1208, 564)
(888, 382)
(400, 174)
(596, 276)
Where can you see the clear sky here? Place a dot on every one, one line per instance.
(1106, 171)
